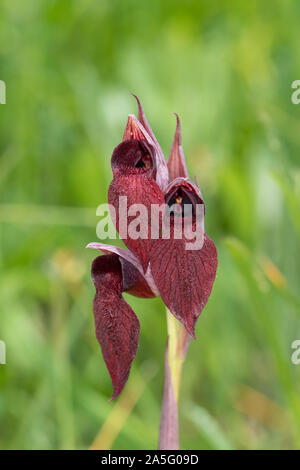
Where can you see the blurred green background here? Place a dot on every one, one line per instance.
(227, 69)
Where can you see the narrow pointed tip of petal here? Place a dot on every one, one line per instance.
(135, 96)
(168, 434)
(178, 129)
(102, 247)
(176, 162)
(142, 117)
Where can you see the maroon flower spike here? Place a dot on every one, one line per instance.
(135, 166)
(180, 267)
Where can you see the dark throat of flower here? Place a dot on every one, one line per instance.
(182, 203)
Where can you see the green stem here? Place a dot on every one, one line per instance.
(178, 341)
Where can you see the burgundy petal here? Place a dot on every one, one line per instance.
(138, 189)
(184, 276)
(117, 327)
(176, 161)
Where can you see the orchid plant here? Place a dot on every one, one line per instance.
(152, 266)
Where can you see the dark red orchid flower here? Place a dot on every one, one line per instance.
(152, 266)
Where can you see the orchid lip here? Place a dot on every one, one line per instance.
(158, 212)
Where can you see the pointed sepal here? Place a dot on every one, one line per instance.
(176, 162)
(162, 177)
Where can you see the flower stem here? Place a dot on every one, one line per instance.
(177, 344)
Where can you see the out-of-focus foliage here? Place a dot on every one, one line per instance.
(227, 69)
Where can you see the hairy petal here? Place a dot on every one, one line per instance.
(138, 189)
(135, 283)
(117, 327)
(108, 249)
(176, 161)
(184, 277)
